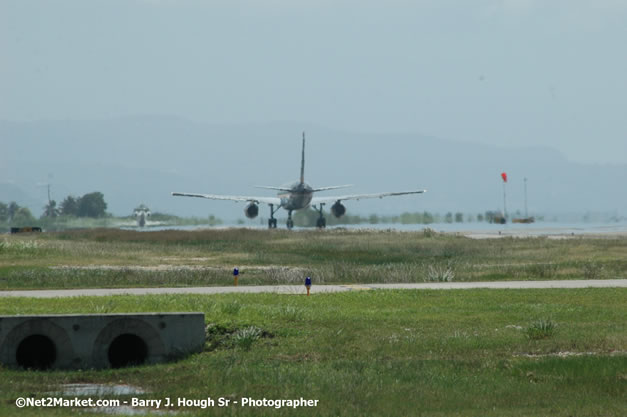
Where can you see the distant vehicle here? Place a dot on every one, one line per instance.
(142, 213)
(26, 229)
(297, 196)
(524, 220)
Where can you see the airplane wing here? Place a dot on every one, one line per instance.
(333, 199)
(266, 200)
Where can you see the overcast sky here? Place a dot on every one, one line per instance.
(509, 72)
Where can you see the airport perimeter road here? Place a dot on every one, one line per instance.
(317, 289)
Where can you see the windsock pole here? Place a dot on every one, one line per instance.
(526, 212)
(504, 202)
(504, 177)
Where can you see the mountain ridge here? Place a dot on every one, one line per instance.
(142, 159)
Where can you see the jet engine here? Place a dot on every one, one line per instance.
(251, 210)
(338, 209)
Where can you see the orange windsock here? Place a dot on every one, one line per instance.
(504, 176)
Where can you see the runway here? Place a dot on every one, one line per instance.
(319, 289)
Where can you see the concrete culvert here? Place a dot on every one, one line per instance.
(36, 352)
(98, 341)
(127, 350)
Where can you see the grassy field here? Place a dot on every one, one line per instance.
(376, 353)
(379, 353)
(123, 258)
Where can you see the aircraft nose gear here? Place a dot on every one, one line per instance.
(290, 222)
(272, 220)
(321, 222)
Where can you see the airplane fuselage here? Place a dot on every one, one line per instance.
(299, 196)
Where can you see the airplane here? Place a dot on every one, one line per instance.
(142, 213)
(297, 196)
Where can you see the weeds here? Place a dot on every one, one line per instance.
(98, 307)
(440, 273)
(540, 329)
(244, 338)
(221, 336)
(592, 269)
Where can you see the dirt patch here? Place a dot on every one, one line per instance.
(567, 354)
(170, 267)
(162, 267)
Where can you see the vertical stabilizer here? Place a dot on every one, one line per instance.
(302, 163)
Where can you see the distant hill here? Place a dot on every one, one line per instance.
(142, 159)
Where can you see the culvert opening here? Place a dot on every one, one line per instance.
(36, 352)
(127, 350)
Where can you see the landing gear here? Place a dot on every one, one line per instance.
(290, 222)
(272, 220)
(321, 222)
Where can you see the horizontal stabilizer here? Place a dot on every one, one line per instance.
(331, 187)
(270, 187)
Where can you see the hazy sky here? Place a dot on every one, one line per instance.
(511, 72)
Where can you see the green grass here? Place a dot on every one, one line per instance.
(123, 258)
(391, 353)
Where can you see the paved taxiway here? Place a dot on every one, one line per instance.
(316, 289)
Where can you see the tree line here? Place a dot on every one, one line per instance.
(13, 213)
(89, 205)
